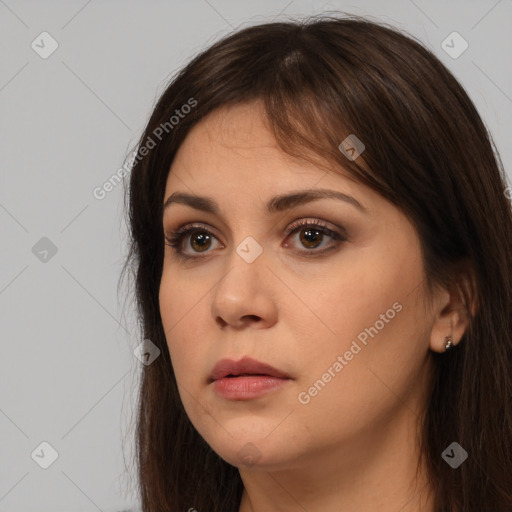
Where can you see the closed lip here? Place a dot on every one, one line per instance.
(247, 366)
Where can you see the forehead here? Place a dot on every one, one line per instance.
(234, 147)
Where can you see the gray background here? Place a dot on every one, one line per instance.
(68, 372)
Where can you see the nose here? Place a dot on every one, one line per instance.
(245, 295)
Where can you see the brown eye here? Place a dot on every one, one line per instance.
(314, 236)
(311, 238)
(189, 240)
(200, 241)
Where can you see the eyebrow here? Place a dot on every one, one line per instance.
(275, 204)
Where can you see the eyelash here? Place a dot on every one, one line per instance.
(174, 238)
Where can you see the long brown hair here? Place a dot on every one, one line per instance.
(427, 151)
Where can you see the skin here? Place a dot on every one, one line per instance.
(354, 445)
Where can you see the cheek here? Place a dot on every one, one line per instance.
(338, 298)
(372, 317)
(366, 289)
(179, 305)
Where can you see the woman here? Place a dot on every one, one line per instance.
(344, 342)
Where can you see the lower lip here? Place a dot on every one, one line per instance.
(247, 387)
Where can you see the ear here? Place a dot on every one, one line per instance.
(454, 307)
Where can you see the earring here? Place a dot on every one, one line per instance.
(448, 343)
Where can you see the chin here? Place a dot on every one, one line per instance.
(258, 451)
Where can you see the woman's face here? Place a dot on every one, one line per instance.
(340, 307)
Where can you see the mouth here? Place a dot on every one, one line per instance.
(246, 379)
(245, 367)
(246, 375)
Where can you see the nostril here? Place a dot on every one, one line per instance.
(221, 323)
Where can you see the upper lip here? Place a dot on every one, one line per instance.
(245, 365)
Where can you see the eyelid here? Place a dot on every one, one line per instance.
(189, 226)
(306, 221)
(337, 230)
